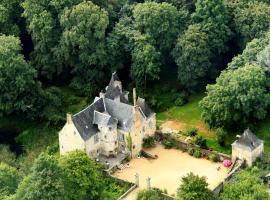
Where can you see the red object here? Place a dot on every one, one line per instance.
(227, 163)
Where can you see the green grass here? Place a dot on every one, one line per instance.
(189, 116)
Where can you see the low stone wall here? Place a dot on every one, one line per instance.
(133, 187)
(185, 145)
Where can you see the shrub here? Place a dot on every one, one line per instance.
(197, 153)
(221, 135)
(179, 101)
(149, 142)
(169, 142)
(190, 151)
(213, 157)
(191, 132)
(200, 141)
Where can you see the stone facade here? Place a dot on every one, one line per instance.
(248, 147)
(104, 127)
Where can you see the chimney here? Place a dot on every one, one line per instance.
(134, 97)
(69, 118)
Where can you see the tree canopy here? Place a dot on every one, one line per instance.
(194, 187)
(238, 97)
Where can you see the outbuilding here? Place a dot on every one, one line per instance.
(247, 147)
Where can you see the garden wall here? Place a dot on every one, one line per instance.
(179, 144)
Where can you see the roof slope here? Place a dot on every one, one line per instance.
(249, 140)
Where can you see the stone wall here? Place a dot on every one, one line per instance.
(185, 145)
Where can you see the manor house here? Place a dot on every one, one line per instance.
(110, 125)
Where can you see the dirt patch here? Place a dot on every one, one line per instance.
(172, 126)
(166, 171)
(202, 127)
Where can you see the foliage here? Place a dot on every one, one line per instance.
(181, 4)
(84, 28)
(158, 20)
(6, 156)
(149, 195)
(213, 157)
(245, 185)
(221, 136)
(145, 61)
(192, 56)
(197, 153)
(169, 142)
(200, 141)
(9, 17)
(9, 180)
(238, 98)
(149, 142)
(83, 175)
(17, 78)
(194, 188)
(251, 20)
(46, 180)
(191, 132)
(129, 142)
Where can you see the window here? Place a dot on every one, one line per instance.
(121, 137)
(105, 137)
(115, 142)
(133, 147)
(110, 128)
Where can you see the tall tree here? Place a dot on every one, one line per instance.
(82, 43)
(45, 181)
(84, 176)
(239, 97)
(251, 20)
(10, 11)
(214, 18)
(17, 77)
(146, 60)
(194, 188)
(161, 21)
(192, 56)
(245, 185)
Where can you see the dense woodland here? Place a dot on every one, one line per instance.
(55, 54)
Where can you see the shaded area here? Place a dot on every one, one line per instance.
(9, 138)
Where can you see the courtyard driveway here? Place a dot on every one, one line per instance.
(166, 171)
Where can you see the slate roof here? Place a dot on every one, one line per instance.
(145, 108)
(106, 112)
(248, 140)
(112, 91)
(83, 120)
(103, 119)
(121, 111)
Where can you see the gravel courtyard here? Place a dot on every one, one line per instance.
(166, 171)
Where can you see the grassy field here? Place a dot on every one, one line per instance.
(189, 116)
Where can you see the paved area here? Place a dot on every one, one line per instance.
(166, 171)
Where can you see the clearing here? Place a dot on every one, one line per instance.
(166, 171)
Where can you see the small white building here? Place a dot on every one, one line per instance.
(110, 127)
(247, 147)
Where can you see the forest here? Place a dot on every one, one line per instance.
(57, 55)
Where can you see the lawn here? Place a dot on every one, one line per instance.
(189, 116)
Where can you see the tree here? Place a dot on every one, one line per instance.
(84, 176)
(158, 20)
(192, 56)
(214, 18)
(9, 180)
(251, 20)
(239, 97)
(149, 195)
(145, 61)
(17, 77)
(84, 28)
(9, 17)
(245, 185)
(263, 58)
(181, 4)
(45, 181)
(221, 136)
(194, 188)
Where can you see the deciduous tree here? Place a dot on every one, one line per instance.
(194, 188)
(239, 97)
